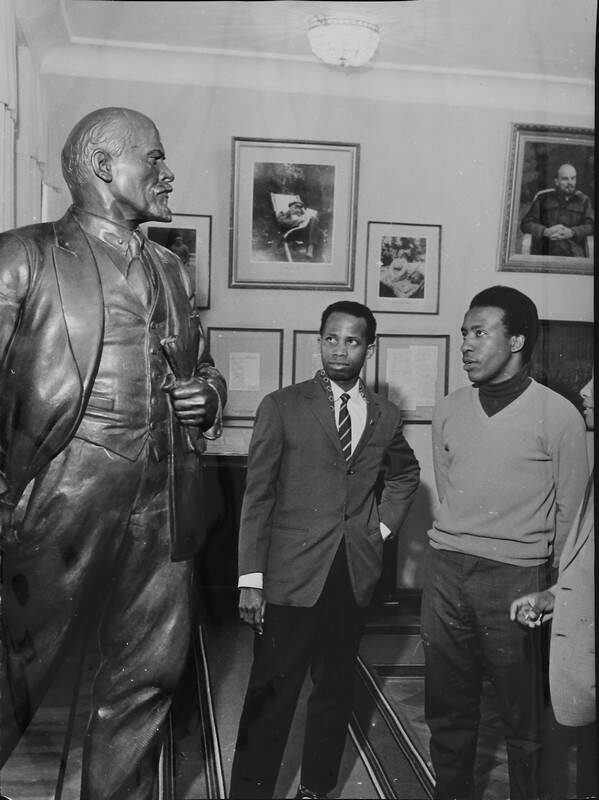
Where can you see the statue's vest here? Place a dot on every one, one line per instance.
(127, 405)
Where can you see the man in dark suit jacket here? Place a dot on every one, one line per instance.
(311, 548)
(104, 402)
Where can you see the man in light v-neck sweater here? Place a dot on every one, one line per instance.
(510, 466)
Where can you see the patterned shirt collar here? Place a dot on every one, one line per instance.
(334, 391)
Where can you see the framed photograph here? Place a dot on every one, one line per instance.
(563, 357)
(251, 361)
(190, 237)
(411, 371)
(548, 217)
(306, 355)
(293, 214)
(402, 267)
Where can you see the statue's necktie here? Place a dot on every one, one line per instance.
(345, 427)
(137, 271)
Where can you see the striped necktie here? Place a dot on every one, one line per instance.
(345, 427)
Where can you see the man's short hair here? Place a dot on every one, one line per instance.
(520, 316)
(107, 129)
(355, 310)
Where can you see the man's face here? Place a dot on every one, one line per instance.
(488, 352)
(141, 180)
(566, 179)
(343, 348)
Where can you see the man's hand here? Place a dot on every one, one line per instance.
(195, 402)
(565, 233)
(532, 609)
(251, 607)
(558, 232)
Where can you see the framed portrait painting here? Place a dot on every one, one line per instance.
(411, 371)
(190, 237)
(549, 216)
(293, 214)
(402, 267)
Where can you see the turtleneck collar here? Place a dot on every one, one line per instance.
(496, 396)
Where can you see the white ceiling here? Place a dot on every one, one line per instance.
(521, 37)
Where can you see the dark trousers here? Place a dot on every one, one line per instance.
(587, 777)
(94, 551)
(325, 639)
(467, 634)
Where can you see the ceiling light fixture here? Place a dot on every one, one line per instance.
(347, 41)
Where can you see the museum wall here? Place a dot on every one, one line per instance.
(422, 160)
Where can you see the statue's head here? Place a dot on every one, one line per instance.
(113, 163)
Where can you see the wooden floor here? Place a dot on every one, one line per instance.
(386, 753)
(47, 762)
(393, 650)
(230, 649)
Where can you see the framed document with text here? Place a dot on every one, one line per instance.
(251, 361)
(411, 371)
(306, 355)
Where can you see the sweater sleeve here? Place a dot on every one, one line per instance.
(571, 472)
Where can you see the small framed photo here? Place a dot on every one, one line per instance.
(411, 371)
(550, 185)
(402, 267)
(306, 355)
(563, 357)
(293, 214)
(190, 237)
(251, 361)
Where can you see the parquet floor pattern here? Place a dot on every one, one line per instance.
(43, 767)
(393, 652)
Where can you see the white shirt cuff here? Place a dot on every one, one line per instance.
(252, 580)
(255, 580)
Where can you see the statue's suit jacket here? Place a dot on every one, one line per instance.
(302, 498)
(572, 666)
(50, 347)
